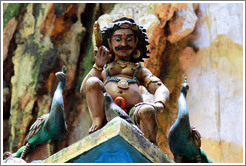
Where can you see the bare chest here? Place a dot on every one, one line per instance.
(120, 69)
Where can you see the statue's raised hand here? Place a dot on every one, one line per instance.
(101, 56)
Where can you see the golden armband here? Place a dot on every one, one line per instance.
(97, 67)
(153, 79)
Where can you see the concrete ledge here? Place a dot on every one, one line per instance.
(118, 137)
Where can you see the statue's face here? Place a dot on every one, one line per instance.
(123, 43)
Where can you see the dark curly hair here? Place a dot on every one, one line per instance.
(138, 31)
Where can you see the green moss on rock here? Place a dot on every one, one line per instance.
(12, 11)
(32, 59)
(87, 63)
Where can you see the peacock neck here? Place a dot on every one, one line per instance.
(57, 99)
(183, 113)
(61, 85)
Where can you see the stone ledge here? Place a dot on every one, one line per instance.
(116, 138)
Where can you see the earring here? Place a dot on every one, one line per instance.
(137, 55)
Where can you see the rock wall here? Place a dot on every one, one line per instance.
(218, 68)
(200, 41)
(46, 37)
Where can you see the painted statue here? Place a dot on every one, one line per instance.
(118, 72)
(183, 138)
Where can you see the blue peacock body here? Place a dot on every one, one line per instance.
(182, 139)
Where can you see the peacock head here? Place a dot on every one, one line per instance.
(61, 76)
(184, 87)
(107, 97)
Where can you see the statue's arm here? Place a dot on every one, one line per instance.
(101, 57)
(156, 87)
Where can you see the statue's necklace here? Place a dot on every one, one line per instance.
(124, 84)
(123, 64)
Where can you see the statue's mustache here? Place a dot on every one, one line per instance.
(120, 47)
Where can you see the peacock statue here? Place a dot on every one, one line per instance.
(112, 110)
(50, 126)
(184, 140)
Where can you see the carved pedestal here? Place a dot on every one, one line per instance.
(117, 142)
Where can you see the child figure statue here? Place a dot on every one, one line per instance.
(118, 72)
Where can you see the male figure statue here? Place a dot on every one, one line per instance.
(118, 72)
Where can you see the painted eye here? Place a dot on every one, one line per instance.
(129, 39)
(117, 39)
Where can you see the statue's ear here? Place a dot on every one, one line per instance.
(109, 43)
